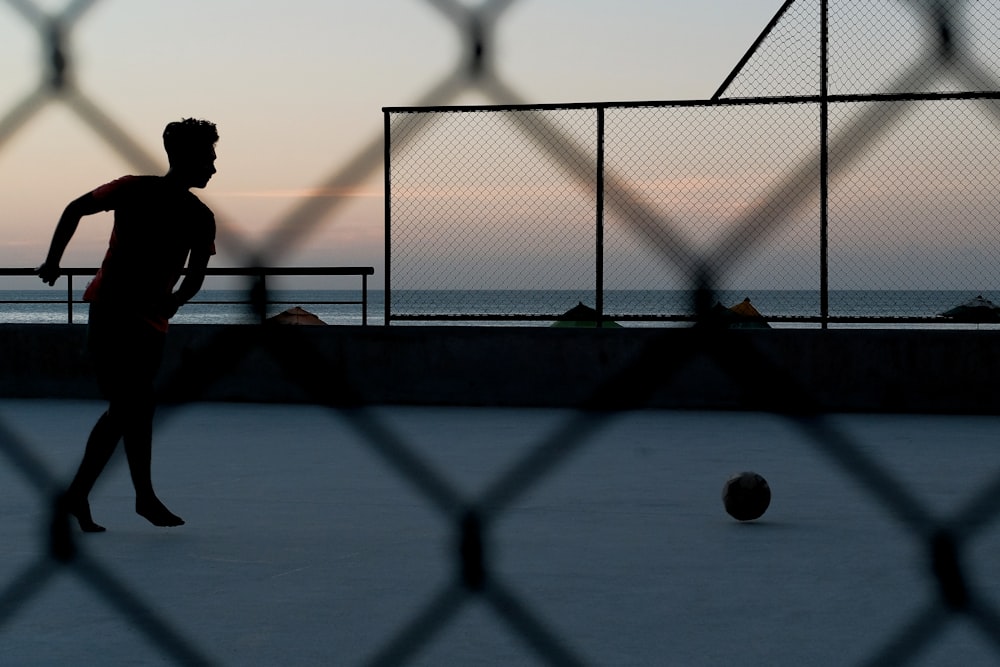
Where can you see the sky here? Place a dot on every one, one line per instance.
(297, 90)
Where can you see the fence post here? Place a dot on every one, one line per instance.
(387, 152)
(824, 169)
(599, 250)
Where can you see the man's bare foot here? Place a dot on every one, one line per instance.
(157, 513)
(80, 509)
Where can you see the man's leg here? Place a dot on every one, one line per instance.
(135, 411)
(100, 446)
(138, 436)
(106, 433)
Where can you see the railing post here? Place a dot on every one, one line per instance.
(364, 299)
(69, 297)
(262, 291)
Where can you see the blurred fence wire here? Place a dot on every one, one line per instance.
(842, 74)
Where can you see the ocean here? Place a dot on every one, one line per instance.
(501, 307)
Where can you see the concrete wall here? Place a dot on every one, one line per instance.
(838, 370)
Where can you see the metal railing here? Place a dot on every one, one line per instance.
(258, 274)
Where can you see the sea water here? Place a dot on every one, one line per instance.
(503, 307)
(208, 307)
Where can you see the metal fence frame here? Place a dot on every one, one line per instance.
(943, 14)
(822, 102)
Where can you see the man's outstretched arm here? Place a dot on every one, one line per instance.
(49, 271)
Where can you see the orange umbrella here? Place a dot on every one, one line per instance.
(741, 316)
(746, 309)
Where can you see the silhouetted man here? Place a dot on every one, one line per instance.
(159, 226)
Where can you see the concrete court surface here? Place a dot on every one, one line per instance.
(304, 546)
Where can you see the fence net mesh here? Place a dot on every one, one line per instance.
(949, 47)
(795, 197)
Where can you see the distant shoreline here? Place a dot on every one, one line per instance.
(502, 307)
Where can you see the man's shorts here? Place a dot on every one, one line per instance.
(126, 352)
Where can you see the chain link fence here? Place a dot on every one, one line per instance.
(776, 169)
(848, 197)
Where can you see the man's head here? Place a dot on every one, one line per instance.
(190, 146)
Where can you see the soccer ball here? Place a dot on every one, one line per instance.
(746, 496)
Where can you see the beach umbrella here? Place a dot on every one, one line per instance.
(581, 316)
(975, 310)
(296, 315)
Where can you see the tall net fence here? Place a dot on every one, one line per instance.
(859, 192)
(763, 220)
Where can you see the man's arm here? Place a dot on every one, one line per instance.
(49, 271)
(193, 279)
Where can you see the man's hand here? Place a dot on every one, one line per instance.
(49, 273)
(168, 305)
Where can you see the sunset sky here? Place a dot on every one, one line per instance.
(297, 89)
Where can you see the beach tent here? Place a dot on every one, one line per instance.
(296, 315)
(976, 310)
(581, 316)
